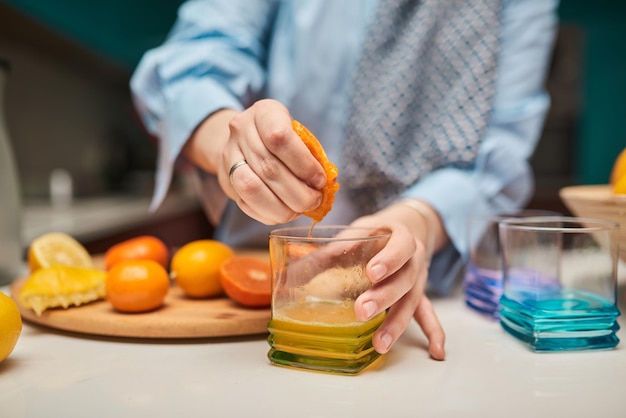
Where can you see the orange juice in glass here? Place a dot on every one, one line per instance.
(317, 274)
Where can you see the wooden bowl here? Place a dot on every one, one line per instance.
(598, 201)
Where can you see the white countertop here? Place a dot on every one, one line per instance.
(487, 373)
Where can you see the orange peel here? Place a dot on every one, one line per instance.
(330, 169)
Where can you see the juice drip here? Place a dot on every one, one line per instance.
(313, 223)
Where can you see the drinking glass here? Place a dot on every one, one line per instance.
(560, 282)
(482, 282)
(317, 274)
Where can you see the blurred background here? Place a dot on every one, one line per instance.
(68, 107)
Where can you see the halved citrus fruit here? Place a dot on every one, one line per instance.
(57, 249)
(247, 281)
(62, 287)
(331, 186)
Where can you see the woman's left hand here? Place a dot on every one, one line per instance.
(399, 273)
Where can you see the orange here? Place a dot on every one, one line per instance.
(247, 281)
(331, 186)
(57, 249)
(196, 267)
(619, 168)
(143, 247)
(137, 285)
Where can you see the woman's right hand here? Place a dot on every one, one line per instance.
(280, 178)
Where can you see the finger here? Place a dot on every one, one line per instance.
(428, 321)
(400, 294)
(289, 189)
(246, 185)
(389, 291)
(256, 199)
(261, 217)
(400, 248)
(273, 169)
(282, 141)
(398, 318)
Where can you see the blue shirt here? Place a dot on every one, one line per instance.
(230, 53)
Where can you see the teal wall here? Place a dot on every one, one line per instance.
(119, 29)
(603, 121)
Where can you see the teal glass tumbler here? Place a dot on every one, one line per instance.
(560, 282)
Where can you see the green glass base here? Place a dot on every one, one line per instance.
(323, 364)
(343, 349)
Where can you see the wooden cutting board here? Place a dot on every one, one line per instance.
(180, 317)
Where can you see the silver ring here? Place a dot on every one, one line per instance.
(234, 167)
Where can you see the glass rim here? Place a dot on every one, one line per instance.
(303, 233)
(539, 223)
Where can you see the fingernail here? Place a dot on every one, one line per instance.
(318, 181)
(370, 308)
(385, 339)
(378, 270)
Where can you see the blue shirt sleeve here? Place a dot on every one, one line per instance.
(212, 59)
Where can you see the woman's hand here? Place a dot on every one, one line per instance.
(260, 162)
(399, 273)
(281, 178)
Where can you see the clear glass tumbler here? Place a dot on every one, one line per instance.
(482, 282)
(560, 282)
(317, 274)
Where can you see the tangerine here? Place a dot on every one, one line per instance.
(331, 186)
(144, 247)
(137, 285)
(247, 281)
(196, 265)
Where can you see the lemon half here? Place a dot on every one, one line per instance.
(62, 287)
(57, 248)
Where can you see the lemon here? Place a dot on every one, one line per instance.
(10, 325)
(62, 286)
(57, 248)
